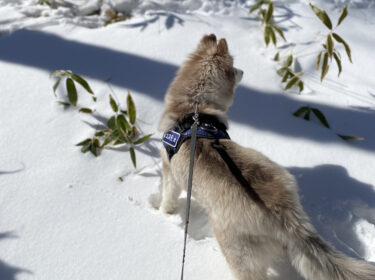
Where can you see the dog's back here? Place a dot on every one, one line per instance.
(253, 234)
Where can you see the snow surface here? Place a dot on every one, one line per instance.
(64, 215)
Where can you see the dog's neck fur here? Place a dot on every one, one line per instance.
(207, 77)
(173, 115)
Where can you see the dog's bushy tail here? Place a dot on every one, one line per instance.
(317, 260)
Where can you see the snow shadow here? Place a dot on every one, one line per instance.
(9, 272)
(335, 203)
(261, 110)
(7, 172)
(273, 112)
(50, 52)
(199, 222)
(170, 21)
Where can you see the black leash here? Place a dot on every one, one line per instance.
(190, 183)
(220, 148)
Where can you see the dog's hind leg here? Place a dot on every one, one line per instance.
(248, 257)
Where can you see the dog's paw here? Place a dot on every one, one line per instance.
(155, 200)
(168, 208)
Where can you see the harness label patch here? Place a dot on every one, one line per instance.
(171, 138)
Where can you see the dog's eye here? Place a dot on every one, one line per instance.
(230, 73)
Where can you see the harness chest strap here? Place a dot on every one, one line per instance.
(208, 127)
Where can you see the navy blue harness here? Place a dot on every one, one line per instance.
(209, 127)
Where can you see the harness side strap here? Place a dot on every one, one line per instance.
(220, 148)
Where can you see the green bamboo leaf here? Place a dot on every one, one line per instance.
(132, 156)
(84, 142)
(325, 67)
(289, 61)
(324, 46)
(122, 125)
(348, 137)
(286, 76)
(113, 104)
(85, 110)
(347, 48)
(86, 147)
(55, 73)
(82, 82)
(330, 45)
(322, 15)
(142, 139)
(94, 98)
(60, 73)
(273, 36)
(119, 142)
(307, 115)
(301, 110)
(318, 59)
(320, 117)
(281, 71)
(267, 34)
(292, 82)
(93, 149)
(256, 6)
(124, 138)
(96, 142)
(263, 13)
(56, 85)
(276, 57)
(131, 108)
(338, 61)
(269, 12)
(72, 91)
(99, 133)
(133, 132)
(343, 15)
(324, 72)
(110, 138)
(301, 86)
(280, 31)
(63, 103)
(44, 2)
(111, 123)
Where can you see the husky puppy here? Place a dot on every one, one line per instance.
(252, 234)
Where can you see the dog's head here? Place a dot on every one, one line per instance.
(207, 78)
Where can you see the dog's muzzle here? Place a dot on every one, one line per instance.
(238, 73)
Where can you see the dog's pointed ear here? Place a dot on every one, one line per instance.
(207, 41)
(222, 47)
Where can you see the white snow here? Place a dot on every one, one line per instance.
(65, 215)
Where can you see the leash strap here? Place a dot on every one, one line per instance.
(190, 184)
(220, 148)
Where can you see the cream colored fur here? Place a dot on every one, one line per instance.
(252, 236)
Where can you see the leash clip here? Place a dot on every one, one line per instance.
(196, 114)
